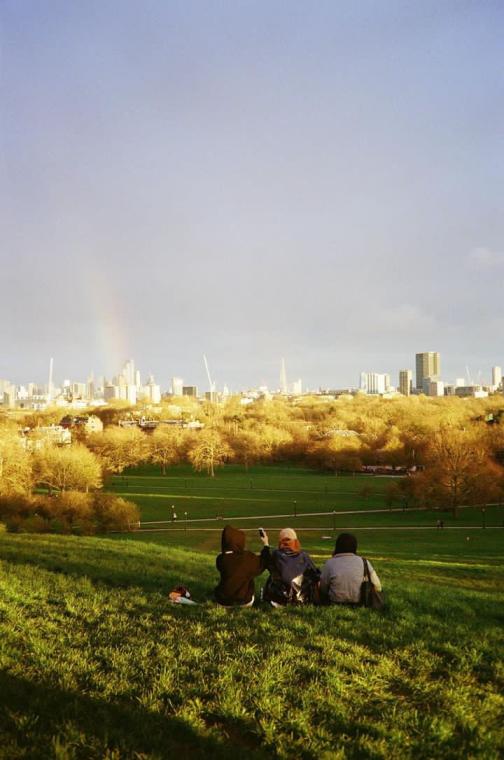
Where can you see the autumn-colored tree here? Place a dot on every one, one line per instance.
(392, 451)
(62, 468)
(337, 453)
(210, 451)
(458, 471)
(166, 446)
(246, 446)
(119, 447)
(15, 463)
(271, 439)
(233, 415)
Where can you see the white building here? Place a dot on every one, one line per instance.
(79, 390)
(433, 387)
(496, 377)
(177, 385)
(110, 392)
(128, 372)
(128, 393)
(374, 383)
(297, 387)
(123, 391)
(40, 437)
(151, 392)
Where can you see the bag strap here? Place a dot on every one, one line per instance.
(367, 574)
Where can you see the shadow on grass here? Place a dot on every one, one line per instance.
(33, 715)
(113, 563)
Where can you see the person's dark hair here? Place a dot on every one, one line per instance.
(346, 542)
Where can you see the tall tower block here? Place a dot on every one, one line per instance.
(428, 365)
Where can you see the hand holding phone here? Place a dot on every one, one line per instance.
(263, 536)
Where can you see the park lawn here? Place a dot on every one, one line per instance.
(278, 493)
(96, 663)
(269, 477)
(235, 492)
(331, 522)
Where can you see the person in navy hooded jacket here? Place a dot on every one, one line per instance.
(293, 575)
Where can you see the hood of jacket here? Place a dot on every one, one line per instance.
(232, 540)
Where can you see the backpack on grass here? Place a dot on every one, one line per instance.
(303, 589)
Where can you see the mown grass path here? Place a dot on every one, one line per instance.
(94, 661)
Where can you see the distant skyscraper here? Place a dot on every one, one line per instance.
(177, 385)
(405, 381)
(496, 376)
(90, 387)
(79, 390)
(190, 390)
(428, 365)
(151, 391)
(110, 392)
(128, 373)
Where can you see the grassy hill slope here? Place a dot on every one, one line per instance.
(94, 662)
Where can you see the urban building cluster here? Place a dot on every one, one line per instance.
(428, 381)
(127, 386)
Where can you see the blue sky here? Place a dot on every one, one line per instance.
(251, 180)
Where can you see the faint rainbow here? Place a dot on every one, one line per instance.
(111, 341)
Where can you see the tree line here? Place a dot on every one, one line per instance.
(452, 448)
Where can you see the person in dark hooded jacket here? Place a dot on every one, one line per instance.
(238, 568)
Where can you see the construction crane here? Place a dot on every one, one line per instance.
(210, 381)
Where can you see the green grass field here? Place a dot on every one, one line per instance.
(236, 495)
(96, 663)
(234, 492)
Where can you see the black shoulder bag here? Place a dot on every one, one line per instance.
(369, 596)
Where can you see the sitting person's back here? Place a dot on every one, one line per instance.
(343, 574)
(293, 576)
(238, 568)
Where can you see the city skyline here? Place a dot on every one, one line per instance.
(426, 368)
(250, 182)
(273, 379)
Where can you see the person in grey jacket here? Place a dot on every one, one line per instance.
(342, 575)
